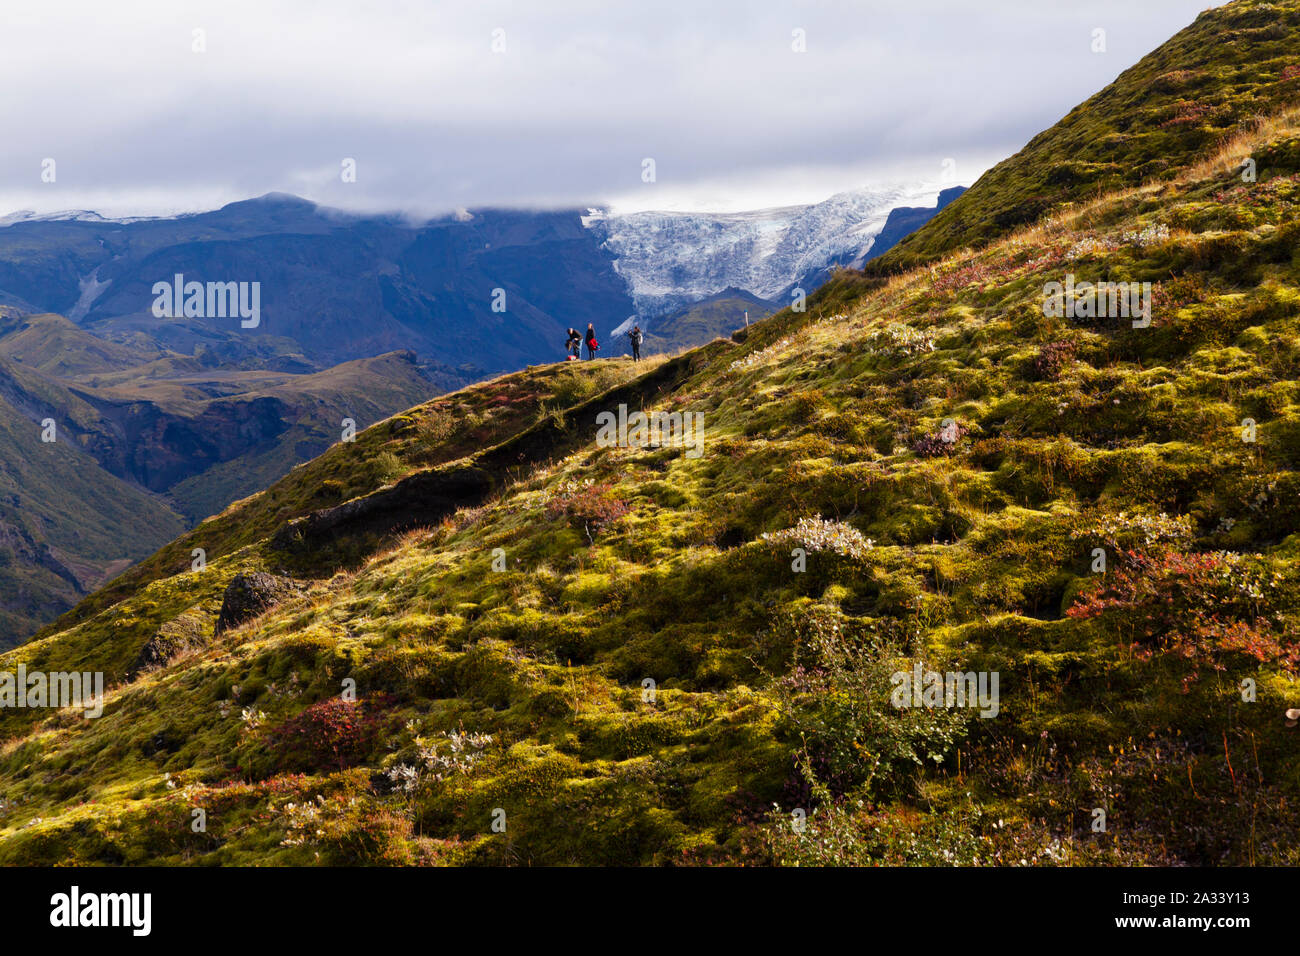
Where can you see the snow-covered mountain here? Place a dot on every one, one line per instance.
(69, 215)
(324, 273)
(672, 259)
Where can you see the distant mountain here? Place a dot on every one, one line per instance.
(495, 289)
(901, 222)
(672, 260)
(718, 315)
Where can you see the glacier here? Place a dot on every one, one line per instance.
(673, 259)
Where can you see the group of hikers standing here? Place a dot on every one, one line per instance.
(573, 345)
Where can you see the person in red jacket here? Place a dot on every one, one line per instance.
(592, 345)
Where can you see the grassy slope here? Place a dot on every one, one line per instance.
(1234, 62)
(58, 347)
(719, 315)
(627, 565)
(58, 509)
(91, 521)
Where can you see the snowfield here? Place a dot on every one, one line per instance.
(672, 259)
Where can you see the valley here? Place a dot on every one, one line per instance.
(197, 359)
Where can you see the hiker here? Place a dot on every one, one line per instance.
(592, 345)
(573, 346)
(635, 337)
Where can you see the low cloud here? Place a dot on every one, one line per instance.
(138, 122)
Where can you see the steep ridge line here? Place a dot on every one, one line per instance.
(430, 496)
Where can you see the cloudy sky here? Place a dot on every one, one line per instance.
(564, 111)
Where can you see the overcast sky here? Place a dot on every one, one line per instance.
(138, 122)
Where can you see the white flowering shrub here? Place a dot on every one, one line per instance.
(897, 339)
(818, 534)
(762, 355)
(1150, 236)
(403, 777)
(1089, 246)
(301, 822)
(1124, 530)
(453, 752)
(567, 489)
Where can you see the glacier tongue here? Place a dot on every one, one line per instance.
(672, 259)
(91, 287)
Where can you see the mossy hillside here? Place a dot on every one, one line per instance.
(1234, 63)
(65, 525)
(770, 690)
(447, 428)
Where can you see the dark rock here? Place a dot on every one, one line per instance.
(249, 595)
(176, 637)
(167, 741)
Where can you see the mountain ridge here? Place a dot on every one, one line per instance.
(633, 655)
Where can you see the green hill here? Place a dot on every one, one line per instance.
(149, 441)
(718, 315)
(54, 346)
(1233, 64)
(644, 655)
(65, 525)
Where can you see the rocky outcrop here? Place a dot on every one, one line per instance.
(251, 594)
(174, 639)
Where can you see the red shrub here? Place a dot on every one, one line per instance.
(1188, 113)
(589, 506)
(1052, 359)
(332, 734)
(1205, 608)
(940, 444)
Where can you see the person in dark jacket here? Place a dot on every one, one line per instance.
(635, 338)
(592, 345)
(573, 346)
